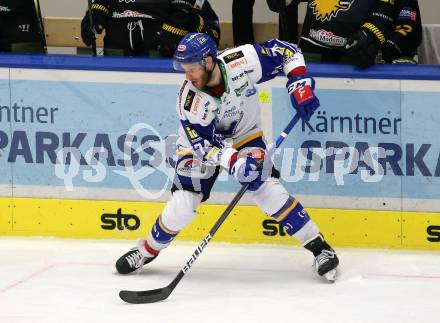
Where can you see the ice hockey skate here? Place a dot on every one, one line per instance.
(135, 259)
(326, 261)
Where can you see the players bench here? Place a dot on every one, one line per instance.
(66, 32)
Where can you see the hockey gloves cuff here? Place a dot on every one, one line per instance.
(302, 97)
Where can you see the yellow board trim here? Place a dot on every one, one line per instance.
(246, 224)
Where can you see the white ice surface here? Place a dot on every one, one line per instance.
(63, 281)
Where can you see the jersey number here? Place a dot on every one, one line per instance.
(404, 30)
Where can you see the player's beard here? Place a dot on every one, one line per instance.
(201, 82)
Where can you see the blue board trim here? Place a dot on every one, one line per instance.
(162, 65)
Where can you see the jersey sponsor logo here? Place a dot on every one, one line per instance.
(182, 88)
(196, 106)
(120, 221)
(24, 28)
(408, 13)
(5, 9)
(327, 37)
(233, 56)
(192, 134)
(231, 112)
(130, 14)
(239, 76)
(250, 92)
(189, 100)
(240, 90)
(236, 64)
(433, 233)
(181, 48)
(326, 10)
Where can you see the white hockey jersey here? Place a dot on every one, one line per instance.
(211, 125)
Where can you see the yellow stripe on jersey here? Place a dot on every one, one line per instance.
(248, 139)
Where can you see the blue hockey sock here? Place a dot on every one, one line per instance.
(292, 216)
(161, 234)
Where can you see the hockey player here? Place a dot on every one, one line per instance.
(221, 128)
(349, 31)
(402, 43)
(147, 27)
(20, 27)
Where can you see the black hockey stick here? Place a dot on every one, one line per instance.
(156, 295)
(92, 28)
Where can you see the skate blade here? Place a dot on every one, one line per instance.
(330, 275)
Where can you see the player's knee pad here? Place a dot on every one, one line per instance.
(271, 196)
(177, 214)
(180, 209)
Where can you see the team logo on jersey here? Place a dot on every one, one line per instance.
(325, 10)
(191, 168)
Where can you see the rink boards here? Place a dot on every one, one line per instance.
(90, 154)
(246, 224)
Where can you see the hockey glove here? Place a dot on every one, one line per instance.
(302, 97)
(99, 17)
(246, 170)
(362, 47)
(391, 51)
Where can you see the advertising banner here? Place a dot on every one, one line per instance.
(87, 142)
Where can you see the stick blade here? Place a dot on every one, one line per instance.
(145, 297)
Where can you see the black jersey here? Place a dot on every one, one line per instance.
(17, 6)
(330, 23)
(152, 9)
(20, 27)
(407, 33)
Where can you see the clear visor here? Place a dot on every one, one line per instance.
(188, 64)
